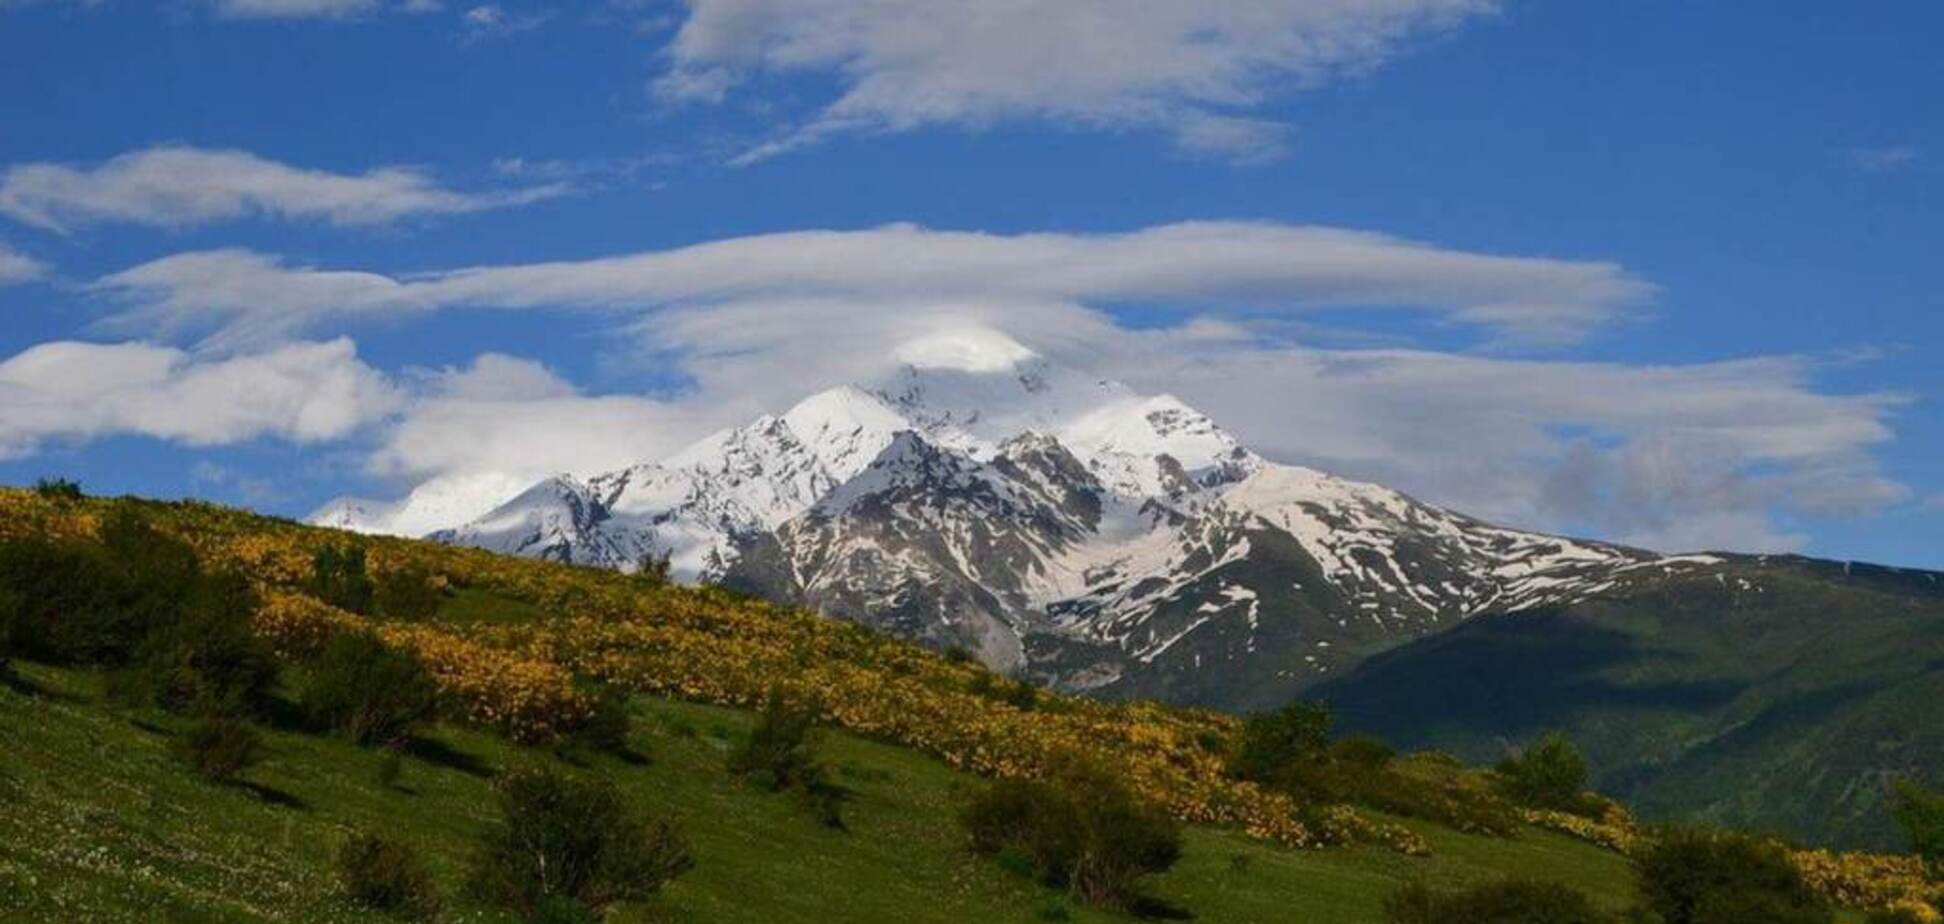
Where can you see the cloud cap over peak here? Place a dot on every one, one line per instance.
(245, 297)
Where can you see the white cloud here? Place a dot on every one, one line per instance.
(1716, 454)
(293, 9)
(18, 267)
(491, 21)
(513, 416)
(71, 391)
(250, 298)
(1885, 159)
(1195, 70)
(183, 186)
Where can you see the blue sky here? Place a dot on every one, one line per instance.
(1656, 271)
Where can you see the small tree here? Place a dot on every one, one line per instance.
(385, 875)
(781, 755)
(218, 748)
(338, 577)
(1287, 749)
(1551, 774)
(1920, 813)
(1706, 876)
(368, 690)
(1083, 831)
(60, 489)
(567, 838)
(407, 592)
(653, 567)
(208, 659)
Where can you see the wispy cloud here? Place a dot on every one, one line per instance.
(18, 267)
(293, 9)
(1884, 159)
(490, 21)
(182, 186)
(1199, 72)
(246, 297)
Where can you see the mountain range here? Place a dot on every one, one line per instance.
(1068, 529)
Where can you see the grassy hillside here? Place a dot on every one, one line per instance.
(102, 823)
(1781, 698)
(99, 820)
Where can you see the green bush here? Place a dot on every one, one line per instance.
(406, 593)
(1284, 748)
(60, 489)
(781, 755)
(219, 747)
(369, 691)
(64, 601)
(385, 875)
(338, 577)
(208, 659)
(1083, 831)
(1550, 774)
(136, 601)
(1920, 813)
(1509, 901)
(607, 724)
(562, 837)
(1019, 694)
(1705, 876)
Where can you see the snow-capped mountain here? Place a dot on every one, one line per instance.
(1062, 526)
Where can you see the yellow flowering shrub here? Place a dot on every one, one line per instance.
(1873, 882)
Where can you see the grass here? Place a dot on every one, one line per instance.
(98, 822)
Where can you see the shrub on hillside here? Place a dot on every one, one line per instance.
(58, 489)
(338, 577)
(369, 691)
(1285, 748)
(385, 875)
(219, 747)
(566, 838)
(407, 592)
(1019, 694)
(60, 601)
(1083, 831)
(137, 600)
(1920, 813)
(208, 658)
(607, 724)
(781, 755)
(1706, 876)
(1508, 901)
(1549, 774)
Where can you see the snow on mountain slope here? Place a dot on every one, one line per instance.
(1061, 525)
(436, 504)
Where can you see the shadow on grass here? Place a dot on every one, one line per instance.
(439, 753)
(272, 796)
(1149, 908)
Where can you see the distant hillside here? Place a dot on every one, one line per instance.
(1773, 693)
